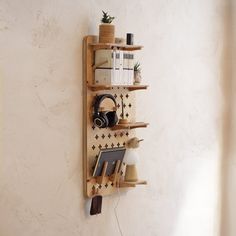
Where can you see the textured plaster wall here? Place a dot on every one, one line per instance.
(41, 118)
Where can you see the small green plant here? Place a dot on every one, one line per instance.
(137, 67)
(106, 18)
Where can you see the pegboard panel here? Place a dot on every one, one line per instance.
(94, 137)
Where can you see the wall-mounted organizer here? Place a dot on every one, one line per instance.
(96, 139)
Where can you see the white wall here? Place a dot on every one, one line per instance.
(41, 76)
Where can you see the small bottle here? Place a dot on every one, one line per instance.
(129, 39)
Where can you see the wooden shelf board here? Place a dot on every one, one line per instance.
(130, 126)
(139, 182)
(124, 184)
(97, 46)
(96, 87)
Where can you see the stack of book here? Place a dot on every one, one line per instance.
(116, 67)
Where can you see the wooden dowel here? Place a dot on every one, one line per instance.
(117, 167)
(104, 169)
(114, 176)
(100, 179)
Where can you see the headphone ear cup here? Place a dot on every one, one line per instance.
(100, 121)
(105, 119)
(112, 118)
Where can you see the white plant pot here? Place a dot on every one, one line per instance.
(137, 77)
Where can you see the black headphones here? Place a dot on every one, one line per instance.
(103, 119)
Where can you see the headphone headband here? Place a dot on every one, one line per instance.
(99, 100)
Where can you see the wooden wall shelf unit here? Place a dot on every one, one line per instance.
(95, 138)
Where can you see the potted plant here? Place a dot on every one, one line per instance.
(137, 73)
(106, 29)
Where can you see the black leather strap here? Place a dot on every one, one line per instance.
(96, 205)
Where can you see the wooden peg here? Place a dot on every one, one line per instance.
(105, 109)
(114, 176)
(96, 189)
(100, 179)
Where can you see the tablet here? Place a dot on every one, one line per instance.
(111, 155)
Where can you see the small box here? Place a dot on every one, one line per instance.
(105, 76)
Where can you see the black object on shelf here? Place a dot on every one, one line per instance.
(129, 39)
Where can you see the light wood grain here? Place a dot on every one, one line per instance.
(94, 138)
